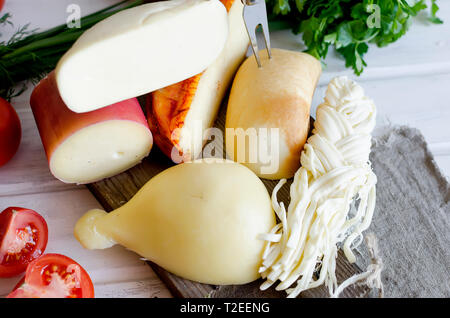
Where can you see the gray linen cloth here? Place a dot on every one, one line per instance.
(412, 216)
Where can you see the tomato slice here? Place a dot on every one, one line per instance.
(54, 276)
(23, 238)
(10, 131)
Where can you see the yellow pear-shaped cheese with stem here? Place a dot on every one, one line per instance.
(198, 220)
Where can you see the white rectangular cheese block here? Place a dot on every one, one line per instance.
(140, 50)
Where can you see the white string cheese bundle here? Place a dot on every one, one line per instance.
(335, 171)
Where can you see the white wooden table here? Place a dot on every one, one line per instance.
(409, 81)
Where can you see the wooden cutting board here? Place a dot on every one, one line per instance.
(116, 191)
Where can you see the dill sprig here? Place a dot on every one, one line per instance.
(29, 55)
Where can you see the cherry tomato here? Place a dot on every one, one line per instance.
(23, 238)
(10, 131)
(54, 276)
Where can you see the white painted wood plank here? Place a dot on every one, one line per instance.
(139, 289)
(416, 101)
(116, 271)
(116, 266)
(443, 163)
(425, 49)
(441, 148)
(28, 171)
(44, 14)
(420, 102)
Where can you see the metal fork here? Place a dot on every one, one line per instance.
(255, 15)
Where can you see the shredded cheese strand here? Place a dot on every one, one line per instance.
(335, 172)
(372, 276)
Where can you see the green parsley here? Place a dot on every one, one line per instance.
(347, 25)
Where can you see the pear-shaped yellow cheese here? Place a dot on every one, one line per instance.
(197, 220)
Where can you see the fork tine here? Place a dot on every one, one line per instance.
(265, 29)
(255, 15)
(251, 25)
(254, 43)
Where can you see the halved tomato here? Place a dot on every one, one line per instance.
(23, 238)
(54, 276)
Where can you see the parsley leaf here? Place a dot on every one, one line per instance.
(348, 25)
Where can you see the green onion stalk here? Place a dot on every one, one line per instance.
(29, 55)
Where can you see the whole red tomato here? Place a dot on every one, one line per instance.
(10, 131)
(1, 3)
